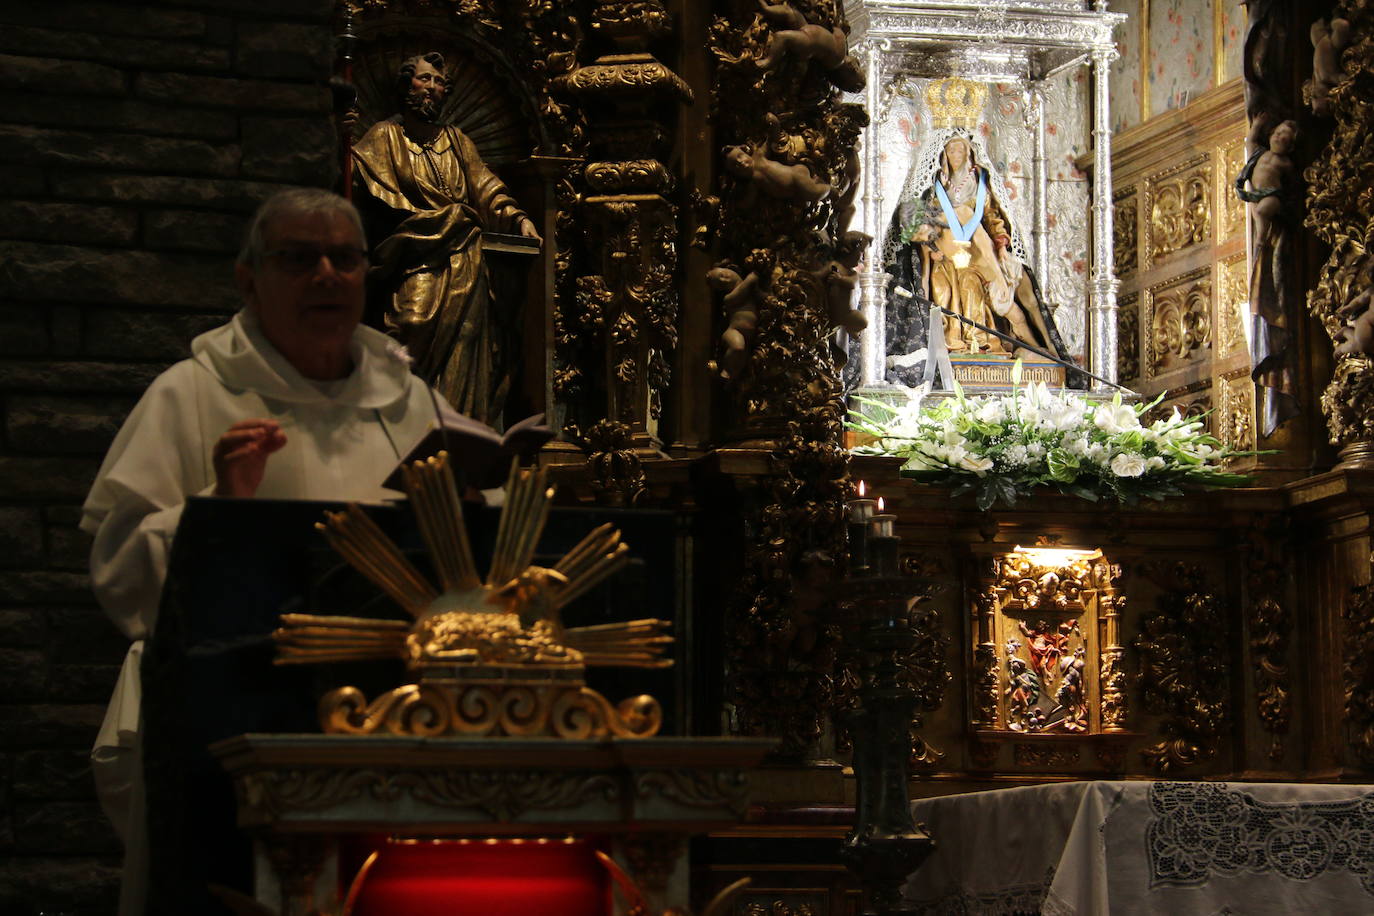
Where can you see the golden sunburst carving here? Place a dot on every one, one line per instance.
(492, 656)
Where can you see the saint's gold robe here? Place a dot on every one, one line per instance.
(431, 266)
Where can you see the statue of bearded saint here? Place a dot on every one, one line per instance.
(427, 196)
(963, 240)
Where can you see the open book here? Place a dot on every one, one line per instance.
(511, 244)
(476, 451)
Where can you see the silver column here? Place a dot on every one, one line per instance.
(872, 284)
(1102, 320)
(1040, 232)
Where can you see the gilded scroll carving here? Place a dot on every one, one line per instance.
(1358, 672)
(1183, 668)
(783, 384)
(631, 24)
(725, 789)
(1270, 623)
(1113, 679)
(1046, 756)
(1125, 250)
(1128, 338)
(1231, 211)
(1233, 305)
(1235, 420)
(1178, 207)
(986, 682)
(427, 710)
(1178, 323)
(776, 906)
(615, 324)
(1340, 185)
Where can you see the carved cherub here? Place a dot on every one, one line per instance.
(844, 200)
(1328, 41)
(1267, 173)
(786, 182)
(840, 277)
(801, 40)
(795, 37)
(739, 302)
(1356, 334)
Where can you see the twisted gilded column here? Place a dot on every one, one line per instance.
(620, 331)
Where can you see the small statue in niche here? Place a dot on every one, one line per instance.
(428, 196)
(799, 40)
(785, 182)
(951, 243)
(1328, 41)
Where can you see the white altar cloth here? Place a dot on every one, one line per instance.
(1149, 847)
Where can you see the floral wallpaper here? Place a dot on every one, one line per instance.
(1124, 78)
(1232, 38)
(1181, 52)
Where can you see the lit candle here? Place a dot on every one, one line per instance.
(882, 523)
(860, 511)
(883, 543)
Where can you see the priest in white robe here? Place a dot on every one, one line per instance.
(293, 399)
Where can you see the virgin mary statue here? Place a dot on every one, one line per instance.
(951, 242)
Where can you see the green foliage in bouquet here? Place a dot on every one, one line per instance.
(1004, 447)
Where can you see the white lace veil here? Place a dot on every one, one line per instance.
(921, 177)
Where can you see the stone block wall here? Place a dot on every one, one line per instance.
(134, 140)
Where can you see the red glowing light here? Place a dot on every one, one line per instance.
(495, 877)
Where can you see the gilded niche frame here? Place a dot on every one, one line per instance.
(1045, 644)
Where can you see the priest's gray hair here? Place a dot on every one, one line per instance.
(295, 202)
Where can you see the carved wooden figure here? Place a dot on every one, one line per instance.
(799, 40)
(786, 182)
(740, 304)
(840, 278)
(1329, 39)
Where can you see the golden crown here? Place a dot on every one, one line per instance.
(955, 102)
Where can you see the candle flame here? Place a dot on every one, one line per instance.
(861, 489)
(880, 504)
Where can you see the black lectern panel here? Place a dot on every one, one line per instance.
(237, 565)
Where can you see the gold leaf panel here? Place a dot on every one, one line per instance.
(1179, 322)
(1128, 339)
(1179, 205)
(1230, 208)
(1236, 425)
(1193, 401)
(1125, 257)
(1233, 305)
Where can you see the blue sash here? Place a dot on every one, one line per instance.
(963, 231)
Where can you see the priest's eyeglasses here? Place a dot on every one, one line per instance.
(302, 259)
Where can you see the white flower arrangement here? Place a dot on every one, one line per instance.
(1006, 446)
